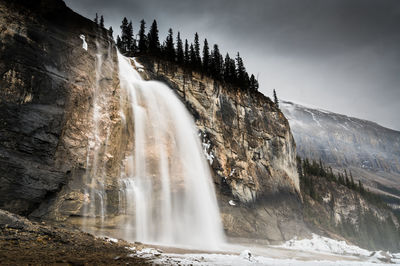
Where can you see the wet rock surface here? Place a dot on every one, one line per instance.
(47, 83)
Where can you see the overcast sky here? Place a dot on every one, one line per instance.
(339, 55)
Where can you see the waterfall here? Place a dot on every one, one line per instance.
(166, 186)
(94, 177)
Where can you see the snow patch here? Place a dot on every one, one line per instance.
(148, 253)
(232, 172)
(84, 43)
(327, 198)
(313, 117)
(232, 203)
(110, 239)
(206, 149)
(324, 244)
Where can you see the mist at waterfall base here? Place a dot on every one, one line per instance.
(166, 194)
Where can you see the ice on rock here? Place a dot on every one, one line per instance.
(84, 43)
(207, 150)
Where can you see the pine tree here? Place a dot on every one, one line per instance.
(101, 21)
(179, 50)
(142, 37)
(313, 194)
(276, 101)
(227, 74)
(299, 167)
(361, 187)
(253, 83)
(353, 185)
(197, 61)
(341, 179)
(206, 57)
(169, 46)
(186, 55)
(229, 69)
(241, 71)
(130, 44)
(331, 175)
(96, 19)
(119, 43)
(216, 63)
(154, 42)
(346, 179)
(192, 56)
(111, 32)
(124, 38)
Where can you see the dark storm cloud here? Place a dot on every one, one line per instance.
(338, 55)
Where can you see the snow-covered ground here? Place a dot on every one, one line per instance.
(324, 244)
(239, 260)
(315, 251)
(327, 245)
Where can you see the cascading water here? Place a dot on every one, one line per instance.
(166, 188)
(95, 177)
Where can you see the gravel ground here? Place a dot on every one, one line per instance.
(23, 242)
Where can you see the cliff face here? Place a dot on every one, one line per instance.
(60, 125)
(371, 151)
(48, 83)
(251, 152)
(246, 139)
(339, 210)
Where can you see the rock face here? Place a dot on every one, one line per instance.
(60, 125)
(371, 151)
(246, 139)
(346, 212)
(47, 85)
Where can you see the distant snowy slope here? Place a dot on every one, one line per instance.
(371, 151)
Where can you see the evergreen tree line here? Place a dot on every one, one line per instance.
(307, 170)
(187, 55)
(100, 23)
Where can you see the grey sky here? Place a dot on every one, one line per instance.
(340, 55)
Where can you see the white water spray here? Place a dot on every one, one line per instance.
(95, 178)
(167, 187)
